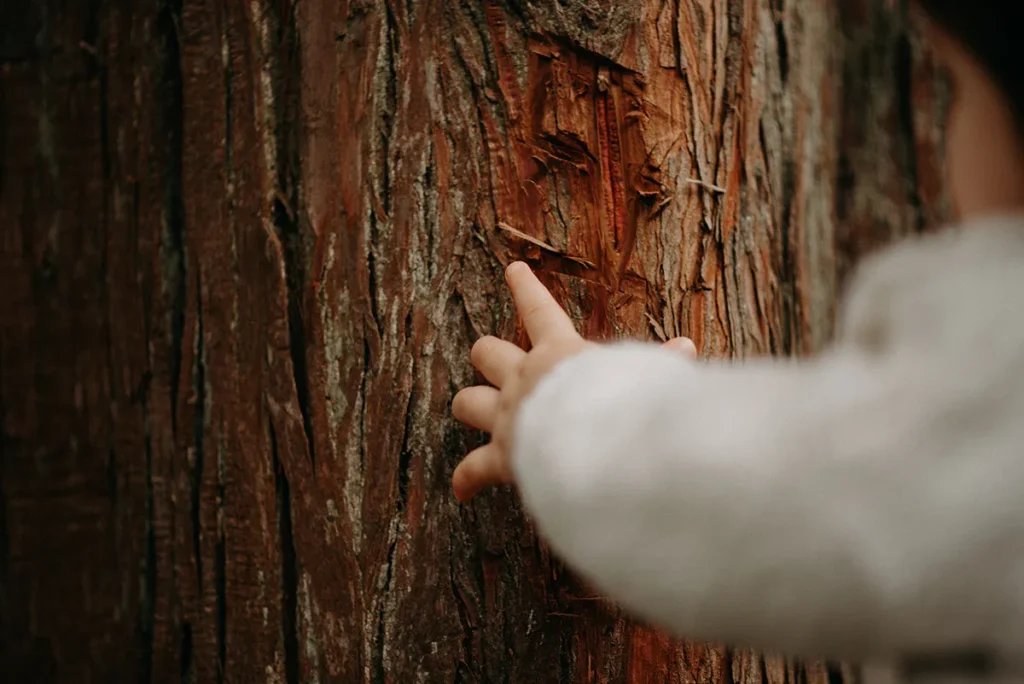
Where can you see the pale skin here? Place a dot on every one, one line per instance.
(514, 373)
(985, 165)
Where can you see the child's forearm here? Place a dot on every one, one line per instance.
(791, 507)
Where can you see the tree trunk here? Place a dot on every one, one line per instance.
(246, 248)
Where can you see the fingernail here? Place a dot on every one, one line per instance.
(683, 344)
(513, 266)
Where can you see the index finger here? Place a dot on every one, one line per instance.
(543, 317)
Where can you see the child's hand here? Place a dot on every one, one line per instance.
(514, 373)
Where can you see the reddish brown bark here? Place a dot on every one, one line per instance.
(247, 246)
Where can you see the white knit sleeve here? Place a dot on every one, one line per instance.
(808, 508)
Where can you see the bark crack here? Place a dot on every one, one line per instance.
(187, 672)
(782, 41)
(220, 571)
(465, 620)
(390, 112)
(298, 343)
(5, 540)
(173, 256)
(474, 89)
(198, 428)
(904, 77)
(286, 103)
(404, 460)
(363, 382)
(565, 655)
(405, 455)
(381, 195)
(379, 670)
(371, 268)
(429, 211)
(147, 603)
(783, 199)
(613, 174)
(727, 661)
(220, 552)
(289, 565)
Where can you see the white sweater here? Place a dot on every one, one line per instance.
(866, 505)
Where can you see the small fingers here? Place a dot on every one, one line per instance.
(683, 345)
(477, 407)
(496, 359)
(543, 317)
(482, 468)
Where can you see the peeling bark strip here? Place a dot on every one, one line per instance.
(246, 247)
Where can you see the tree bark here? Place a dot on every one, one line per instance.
(246, 248)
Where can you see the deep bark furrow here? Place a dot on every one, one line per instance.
(461, 608)
(835, 674)
(172, 251)
(763, 671)
(187, 656)
(389, 108)
(905, 110)
(298, 342)
(286, 74)
(380, 675)
(171, 306)
(372, 291)
(289, 569)
(220, 573)
(198, 390)
(396, 530)
(5, 534)
(147, 602)
(405, 453)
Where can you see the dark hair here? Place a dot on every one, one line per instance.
(991, 30)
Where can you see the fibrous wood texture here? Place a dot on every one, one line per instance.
(247, 246)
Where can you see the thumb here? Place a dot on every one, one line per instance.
(683, 345)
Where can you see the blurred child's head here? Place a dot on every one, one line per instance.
(979, 43)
